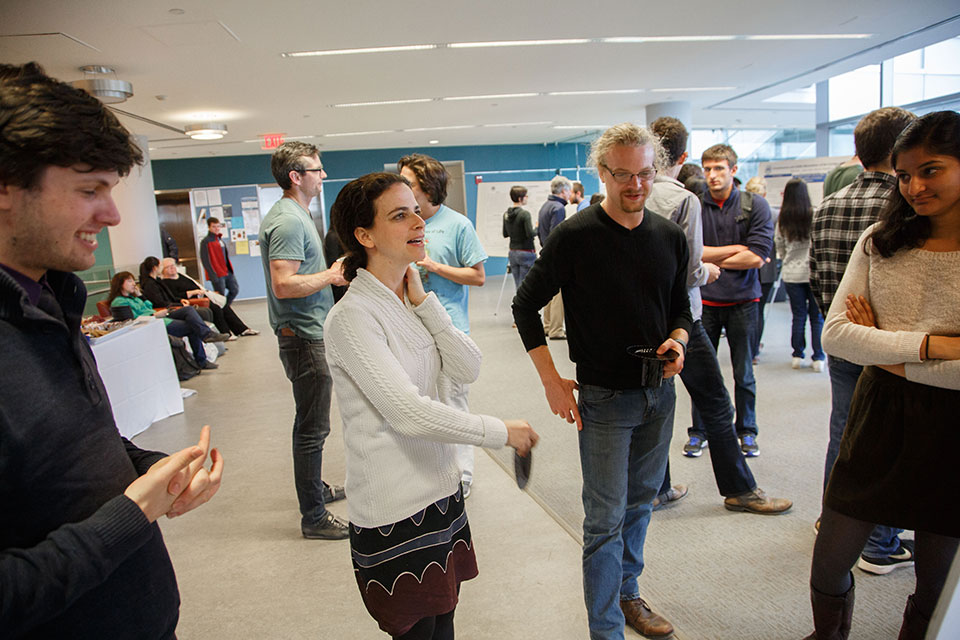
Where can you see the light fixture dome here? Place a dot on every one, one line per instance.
(206, 130)
(107, 90)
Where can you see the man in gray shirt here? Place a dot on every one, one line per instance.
(298, 299)
(701, 372)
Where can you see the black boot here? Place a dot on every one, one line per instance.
(914, 622)
(831, 614)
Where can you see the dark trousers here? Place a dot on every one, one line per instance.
(432, 628)
(702, 378)
(226, 320)
(305, 364)
(740, 321)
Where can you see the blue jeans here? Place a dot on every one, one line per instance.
(802, 306)
(305, 363)
(884, 540)
(228, 286)
(184, 329)
(520, 263)
(710, 400)
(740, 321)
(623, 454)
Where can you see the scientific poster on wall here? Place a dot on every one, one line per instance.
(812, 170)
(493, 199)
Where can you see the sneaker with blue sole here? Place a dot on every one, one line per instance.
(748, 445)
(694, 447)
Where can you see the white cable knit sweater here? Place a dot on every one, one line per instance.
(912, 293)
(384, 357)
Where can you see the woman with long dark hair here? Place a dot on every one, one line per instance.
(387, 342)
(792, 240)
(898, 310)
(125, 293)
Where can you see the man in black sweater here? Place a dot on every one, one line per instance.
(81, 555)
(622, 273)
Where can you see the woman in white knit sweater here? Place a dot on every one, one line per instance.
(387, 341)
(898, 310)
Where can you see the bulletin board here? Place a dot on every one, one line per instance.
(238, 208)
(812, 170)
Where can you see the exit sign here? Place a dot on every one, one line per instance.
(271, 141)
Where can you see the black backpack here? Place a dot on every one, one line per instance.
(186, 366)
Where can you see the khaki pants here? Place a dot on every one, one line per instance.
(553, 317)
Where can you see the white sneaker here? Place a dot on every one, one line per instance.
(818, 366)
(796, 363)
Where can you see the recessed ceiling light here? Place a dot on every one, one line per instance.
(593, 93)
(206, 130)
(494, 96)
(450, 128)
(344, 52)
(641, 39)
(356, 133)
(585, 127)
(516, 43)
(381, 102)
(676, 89)
(519, 124)
(434, 142)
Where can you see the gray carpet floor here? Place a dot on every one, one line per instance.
(712, 572)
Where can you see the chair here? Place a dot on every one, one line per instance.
(103, 309)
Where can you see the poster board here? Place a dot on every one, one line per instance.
(238, 208)
(493, 199)
(812, 170)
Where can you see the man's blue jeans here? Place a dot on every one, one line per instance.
(884, 540)
(227, 286)
(709, 398)
(802, 306)
(305, 363)
(520, 263)
(623, 454)
(740, 321)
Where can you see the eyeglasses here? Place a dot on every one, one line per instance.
(624, 177)
(317, 170)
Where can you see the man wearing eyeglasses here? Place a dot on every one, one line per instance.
(551, 214)
(623, 275)
(737, 238)
(298, 300)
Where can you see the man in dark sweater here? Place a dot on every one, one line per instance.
(623, 275)
(81, 555)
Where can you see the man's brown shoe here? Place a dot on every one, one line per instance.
(646, 622)
(757, 502)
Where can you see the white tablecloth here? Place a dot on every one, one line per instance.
(137, 369)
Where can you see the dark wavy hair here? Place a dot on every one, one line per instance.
(673, 136)
(355, 207)
(147, 266)
(116, 285)
(796, 212)
(45, 122)
(289, 157)
(431, 174)
(900, 227)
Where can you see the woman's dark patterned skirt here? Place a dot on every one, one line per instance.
(412, 569)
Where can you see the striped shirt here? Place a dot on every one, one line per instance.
(837, 224)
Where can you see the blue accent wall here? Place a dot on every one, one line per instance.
(516, 161)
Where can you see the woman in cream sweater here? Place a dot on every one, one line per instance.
(897, 311)
(387, 341)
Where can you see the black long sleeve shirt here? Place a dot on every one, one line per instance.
(621, 287)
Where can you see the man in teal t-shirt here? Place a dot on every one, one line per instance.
(454, 261)
(298, 300)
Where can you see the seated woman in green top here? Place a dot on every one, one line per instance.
(125, 293)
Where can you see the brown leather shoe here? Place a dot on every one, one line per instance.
(757, 502)
(646, 622)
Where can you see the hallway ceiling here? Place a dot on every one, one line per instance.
(220, 60)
